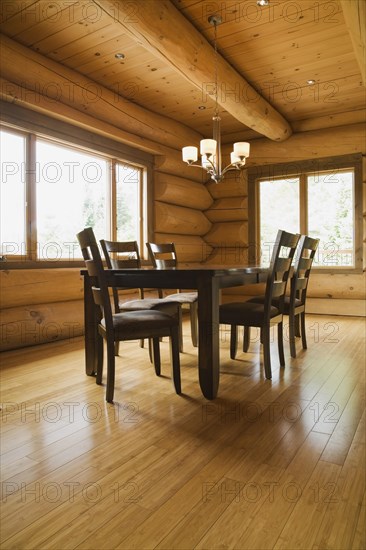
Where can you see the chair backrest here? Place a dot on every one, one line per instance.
(162, 255)
(121, 255)
(94, 264)
(303, 262)
(279, 269)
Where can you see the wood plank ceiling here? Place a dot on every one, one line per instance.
(276, 48)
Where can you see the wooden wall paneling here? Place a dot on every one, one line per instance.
(178, 219)
(228, 209)
(170, 162)
(21, 287)
(13, 94)
(181, 191)
(345, 118)
(336, 306)
(235, 183)
(338, 285)
(314, 144)
(190, 248)
(228, 234)
(229, 215)
(40, 323)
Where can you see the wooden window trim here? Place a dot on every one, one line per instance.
(37, 125)
(301, 169)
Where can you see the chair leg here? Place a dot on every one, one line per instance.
(303, 331)
(233, 341)
(116, 349)
(193, 308)
(246, 338)
(292, 331)
(100, 353)
(150, 351)
(266, 337)
(175, 360)
(156, 355)
(180, 315)
(110, 371)
(297, 326)
(280, 344)
(142, 343)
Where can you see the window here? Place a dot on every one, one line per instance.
(128, 202)
(51, 190)
(320, 202)
(12, 191)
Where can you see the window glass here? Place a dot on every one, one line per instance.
(279, 209)
(128, 202)
(71, 195)
(12, 193)
(331, 217)
(327, 204)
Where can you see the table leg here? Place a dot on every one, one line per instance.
(93, 341)
(208, 343)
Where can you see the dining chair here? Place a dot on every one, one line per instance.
(165, 256)
(295, 302)
(294, 305)
(127, 325)
(126, 255)
(265, 315)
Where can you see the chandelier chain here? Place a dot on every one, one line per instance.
(216, 72)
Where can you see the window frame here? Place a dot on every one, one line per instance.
(35, 125)
(302, 169)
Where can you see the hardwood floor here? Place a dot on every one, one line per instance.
(268, 464)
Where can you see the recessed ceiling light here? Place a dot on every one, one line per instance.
(310, 82)
(202, 107)
(119, 56)
(262, 2)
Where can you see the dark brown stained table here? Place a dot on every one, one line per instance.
(207, 280)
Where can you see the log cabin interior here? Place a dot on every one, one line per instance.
(98, 98)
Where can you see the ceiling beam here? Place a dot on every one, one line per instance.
(354, 12)
(38, 79)
(161, 28)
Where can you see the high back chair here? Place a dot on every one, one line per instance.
(294, 305)
(164, 256)
(295, 302)
(126, 255)
(265, 315)
(129, 325)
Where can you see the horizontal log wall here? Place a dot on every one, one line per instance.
(179, 208)
(229, 216)
(40, 305)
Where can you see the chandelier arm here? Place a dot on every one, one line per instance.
(231, 166)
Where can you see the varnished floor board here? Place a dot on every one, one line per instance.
(268, 464)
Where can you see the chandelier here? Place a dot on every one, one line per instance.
(210, 149)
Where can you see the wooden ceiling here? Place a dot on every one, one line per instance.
(276, 49)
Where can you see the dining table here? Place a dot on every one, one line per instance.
(207, 280)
